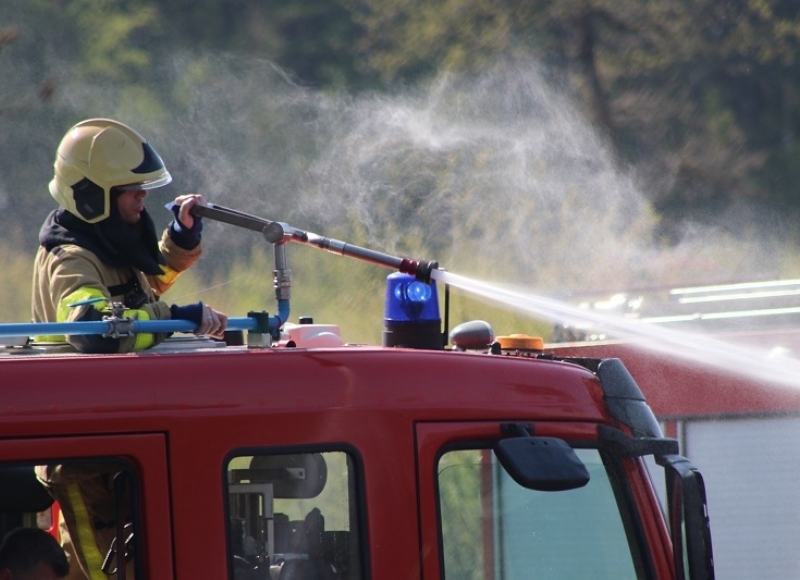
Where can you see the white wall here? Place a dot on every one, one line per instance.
(752, 472)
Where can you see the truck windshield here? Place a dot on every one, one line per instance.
(494, 529)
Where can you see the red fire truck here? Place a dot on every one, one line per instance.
(290, 455)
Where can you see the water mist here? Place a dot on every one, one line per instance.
(694, 347)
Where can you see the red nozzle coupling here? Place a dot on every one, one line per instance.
(420, 269)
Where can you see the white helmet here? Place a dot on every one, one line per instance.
(96, 155)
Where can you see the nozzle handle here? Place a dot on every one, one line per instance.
(231, 216)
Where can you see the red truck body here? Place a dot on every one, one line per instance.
(177, 418)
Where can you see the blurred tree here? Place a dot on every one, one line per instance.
(237, 26)
(316, 42)
(114, 38)
(702, 96)
(16, 102)
(407, 40)
(312, 40)
(17, 268)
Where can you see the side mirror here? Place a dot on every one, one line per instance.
(542, 463)
(688, 518)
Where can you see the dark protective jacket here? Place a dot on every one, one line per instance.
(110, 261)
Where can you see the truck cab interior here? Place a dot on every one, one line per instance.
(292, 517)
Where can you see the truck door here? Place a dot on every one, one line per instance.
(478, 522)
(135, 524)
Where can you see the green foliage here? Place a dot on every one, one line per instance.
(114, 37)
(316, 40)
(17, 268)
(331, 289)
(313, 40)
(410, 40)
(701, 94)
(696, 92)
(461, 507)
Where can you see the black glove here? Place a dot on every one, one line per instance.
(190, 312)
(186, 238)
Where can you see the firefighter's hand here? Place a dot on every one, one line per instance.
(186, 202)
(214, 323)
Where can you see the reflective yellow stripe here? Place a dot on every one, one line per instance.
(88, 546)
(86, 293)
(143, 339)
(50, 338)
(63, 310)
(169, 275)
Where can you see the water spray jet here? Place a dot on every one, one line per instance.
(701, 349)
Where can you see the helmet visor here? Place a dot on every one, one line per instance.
(160, 181)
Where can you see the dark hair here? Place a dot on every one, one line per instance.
(24, 548)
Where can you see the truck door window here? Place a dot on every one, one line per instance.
(293, 516)
(89, 506)
(492, 528)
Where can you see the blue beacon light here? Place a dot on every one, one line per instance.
(411, 313)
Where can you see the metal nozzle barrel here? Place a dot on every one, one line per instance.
(420, 269)
(281, 233)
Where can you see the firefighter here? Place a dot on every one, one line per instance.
(92, 508)
(31, 554)
(100, 247)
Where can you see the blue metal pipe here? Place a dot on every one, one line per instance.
(139, 326)
(283, 315)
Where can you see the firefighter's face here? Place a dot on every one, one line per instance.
(131, 205)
